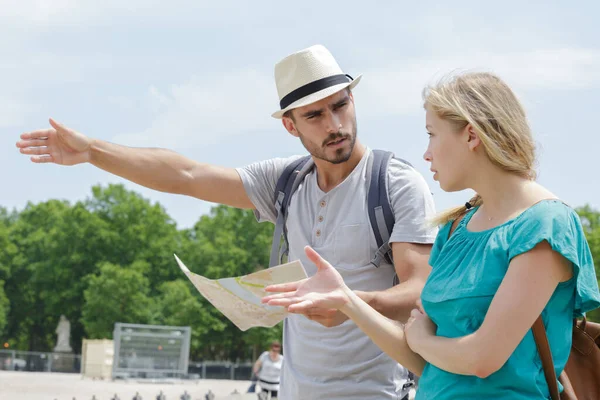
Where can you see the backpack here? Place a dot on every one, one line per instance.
(381, 215)
(581, 375)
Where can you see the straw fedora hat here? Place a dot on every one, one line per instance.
(308, 76)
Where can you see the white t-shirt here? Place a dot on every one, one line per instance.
(270, 371)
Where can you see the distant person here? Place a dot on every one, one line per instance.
(267, 369)
(510, 254)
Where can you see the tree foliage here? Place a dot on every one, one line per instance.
(590, 220)
(109, 259)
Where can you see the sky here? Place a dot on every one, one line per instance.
(197, 77)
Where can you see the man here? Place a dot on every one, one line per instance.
(326, 356)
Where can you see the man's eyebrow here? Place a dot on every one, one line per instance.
(319, 111)
(341, 101)
(312, 113)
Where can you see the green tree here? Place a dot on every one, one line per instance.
(139, 230)
(229, 242)
(178, 306)
(110, 259)
(32, 258)
(57, 246)
(4, 306)
(6, 250)
(590, 220)
(117, 294)
(53, 246)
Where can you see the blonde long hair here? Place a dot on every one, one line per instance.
(485, 102)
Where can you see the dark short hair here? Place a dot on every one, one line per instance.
(289, 114)
(275, 344)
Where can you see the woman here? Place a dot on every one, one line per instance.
(268, 370)
(510, 254)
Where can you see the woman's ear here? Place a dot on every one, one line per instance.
(473, 139)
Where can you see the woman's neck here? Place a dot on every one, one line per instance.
(506, 194)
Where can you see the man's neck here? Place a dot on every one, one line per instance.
(330, 175)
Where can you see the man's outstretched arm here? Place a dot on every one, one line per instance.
(159, 169)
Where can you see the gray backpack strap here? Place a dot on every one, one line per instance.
(287, 184)
(381, 215)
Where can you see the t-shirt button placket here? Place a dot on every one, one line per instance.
(318, 232)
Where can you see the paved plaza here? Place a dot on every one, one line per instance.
(51, 386)
(57, 386)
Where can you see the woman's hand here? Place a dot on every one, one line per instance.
(418, 328)
(324, 290)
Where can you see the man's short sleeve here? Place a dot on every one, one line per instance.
(260, 180)
(412, 203)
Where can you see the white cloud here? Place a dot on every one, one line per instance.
(206, 109)
(30, 71)
(396, 88)
(80, 13)
(36, 11)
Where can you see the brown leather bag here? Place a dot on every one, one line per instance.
(581, 376)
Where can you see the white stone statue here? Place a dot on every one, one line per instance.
(63, 330)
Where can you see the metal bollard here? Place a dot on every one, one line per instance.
(185, 396)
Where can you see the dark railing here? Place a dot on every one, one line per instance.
(16, 360)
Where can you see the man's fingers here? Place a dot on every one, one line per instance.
(284, 287)
(32, 143)
(46, 158)
(55, 124)
(35, 150)
(39, 134)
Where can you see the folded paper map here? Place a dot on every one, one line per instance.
(239, 298)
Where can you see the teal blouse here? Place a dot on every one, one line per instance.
(467, 269)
